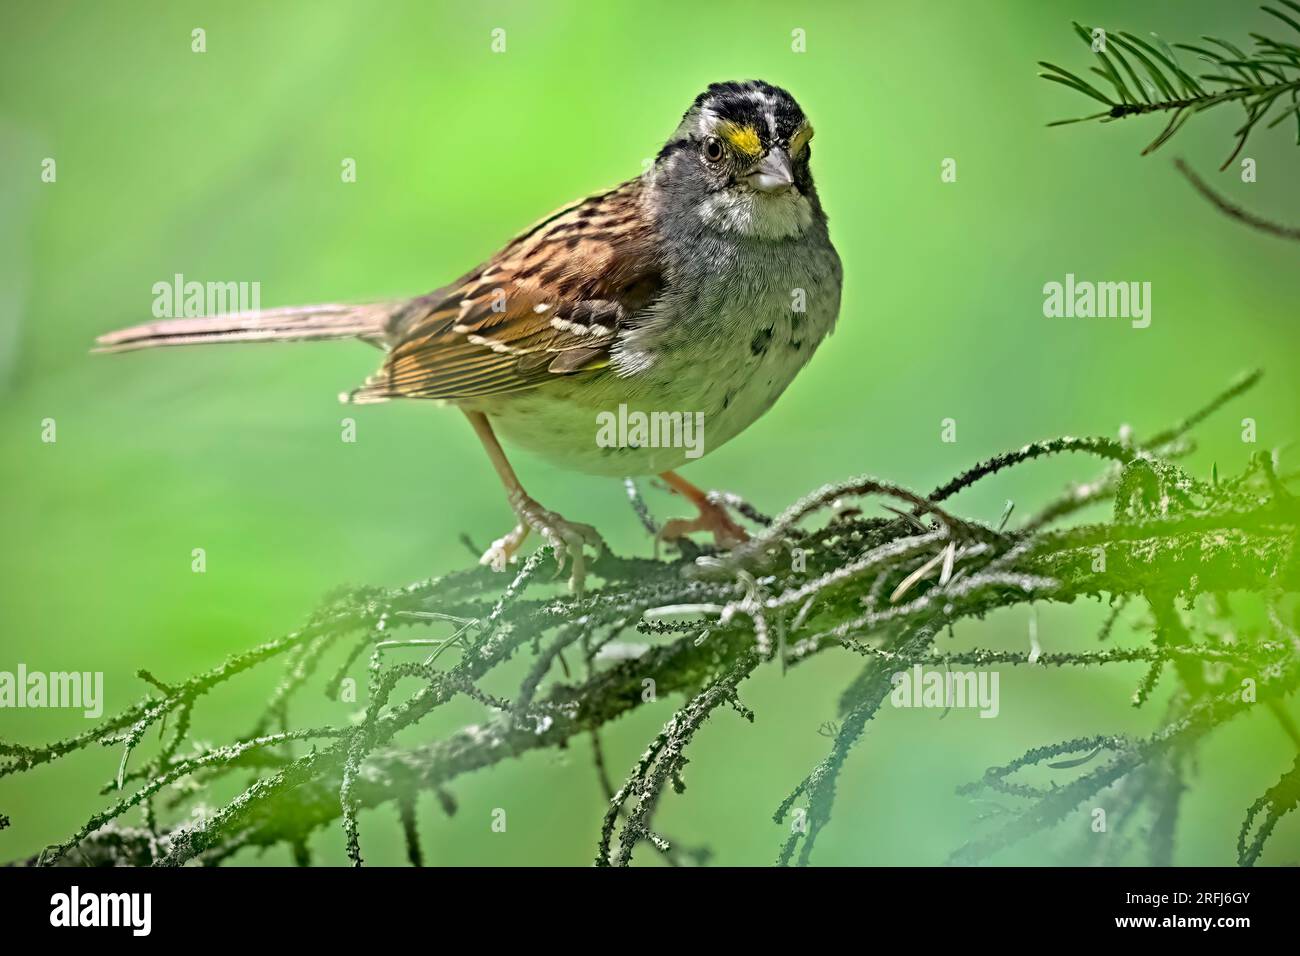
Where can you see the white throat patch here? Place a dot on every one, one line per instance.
(752, 214)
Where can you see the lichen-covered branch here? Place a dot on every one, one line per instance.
(826, 575)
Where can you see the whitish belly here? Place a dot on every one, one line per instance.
(691, 401)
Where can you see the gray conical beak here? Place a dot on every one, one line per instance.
(773, 174)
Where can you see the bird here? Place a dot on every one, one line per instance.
(697, 289)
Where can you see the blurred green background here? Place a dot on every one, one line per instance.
(226, 166)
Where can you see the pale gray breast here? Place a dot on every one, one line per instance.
(724, 343)
(738, 321)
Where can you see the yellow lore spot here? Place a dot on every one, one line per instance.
(743, 138)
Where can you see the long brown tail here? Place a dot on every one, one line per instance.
(291, 324)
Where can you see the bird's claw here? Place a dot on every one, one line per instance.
(566, 538)
(503, 549)
(713, 518)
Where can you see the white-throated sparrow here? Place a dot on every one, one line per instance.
(697, 290)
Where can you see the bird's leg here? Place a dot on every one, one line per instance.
(713, 517)
(566, 537)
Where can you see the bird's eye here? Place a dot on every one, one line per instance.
(713, 149)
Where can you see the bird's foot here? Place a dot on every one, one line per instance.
(503, 549)
(566, 538)
(713, 518)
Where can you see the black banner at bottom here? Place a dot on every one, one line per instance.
(336, 905)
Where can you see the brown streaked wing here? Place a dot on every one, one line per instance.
(550, 303)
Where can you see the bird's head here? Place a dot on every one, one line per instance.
(739, 160)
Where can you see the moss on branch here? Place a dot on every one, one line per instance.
(822, 576)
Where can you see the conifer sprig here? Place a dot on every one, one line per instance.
(1142, 77)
